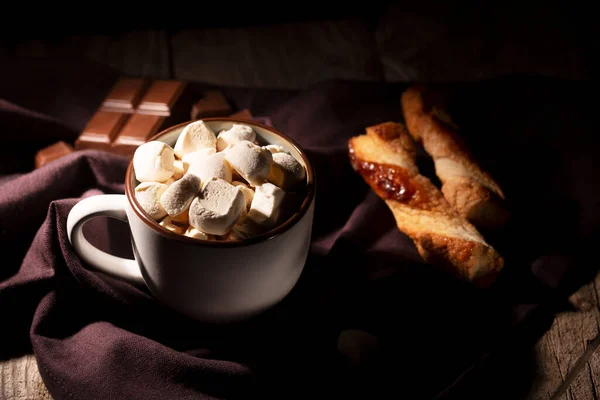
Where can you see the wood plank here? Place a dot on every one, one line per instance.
(21, 380)
(290, 56)
(549, 376)
(594, 364)
(559, 352)
(136, 54)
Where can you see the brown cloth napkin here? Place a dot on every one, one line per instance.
(97, 338)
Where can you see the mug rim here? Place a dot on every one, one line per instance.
(263, 237)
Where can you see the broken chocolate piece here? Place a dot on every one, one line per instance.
(212, 104)
(51, 153)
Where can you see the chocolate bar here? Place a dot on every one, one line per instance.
(101, 130)
(136, 131)
(125, 95)
(133, 111)
(161, 97)
(136, 109)
(51, 153)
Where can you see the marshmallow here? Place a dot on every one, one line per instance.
(274, 148)
(264, 209)
(191, 158)
(153, 162)
(168, 223)
(195, 136)
(148, 195)
(217, 208)
(179, 169)
(169, 181)
(196, 234)
(235, 134)
(243, 231)
(214, 166)
(286, 171)
(183, 218)
(226, 149)
(246, 191)
(252, 162)
(178, 197)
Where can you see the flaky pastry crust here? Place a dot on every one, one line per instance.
(385, 158)
(469, 189)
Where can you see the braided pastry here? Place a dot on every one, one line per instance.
(385, 158)
(469, 189)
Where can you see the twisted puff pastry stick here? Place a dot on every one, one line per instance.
(385, 157)
(469, 189)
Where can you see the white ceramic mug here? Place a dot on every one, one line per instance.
(206, 280)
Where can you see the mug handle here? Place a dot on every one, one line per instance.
(106, 205)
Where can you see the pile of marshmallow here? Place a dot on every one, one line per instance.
(215, 187)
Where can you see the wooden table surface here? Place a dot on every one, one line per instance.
(567, 354)
(567, 357)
